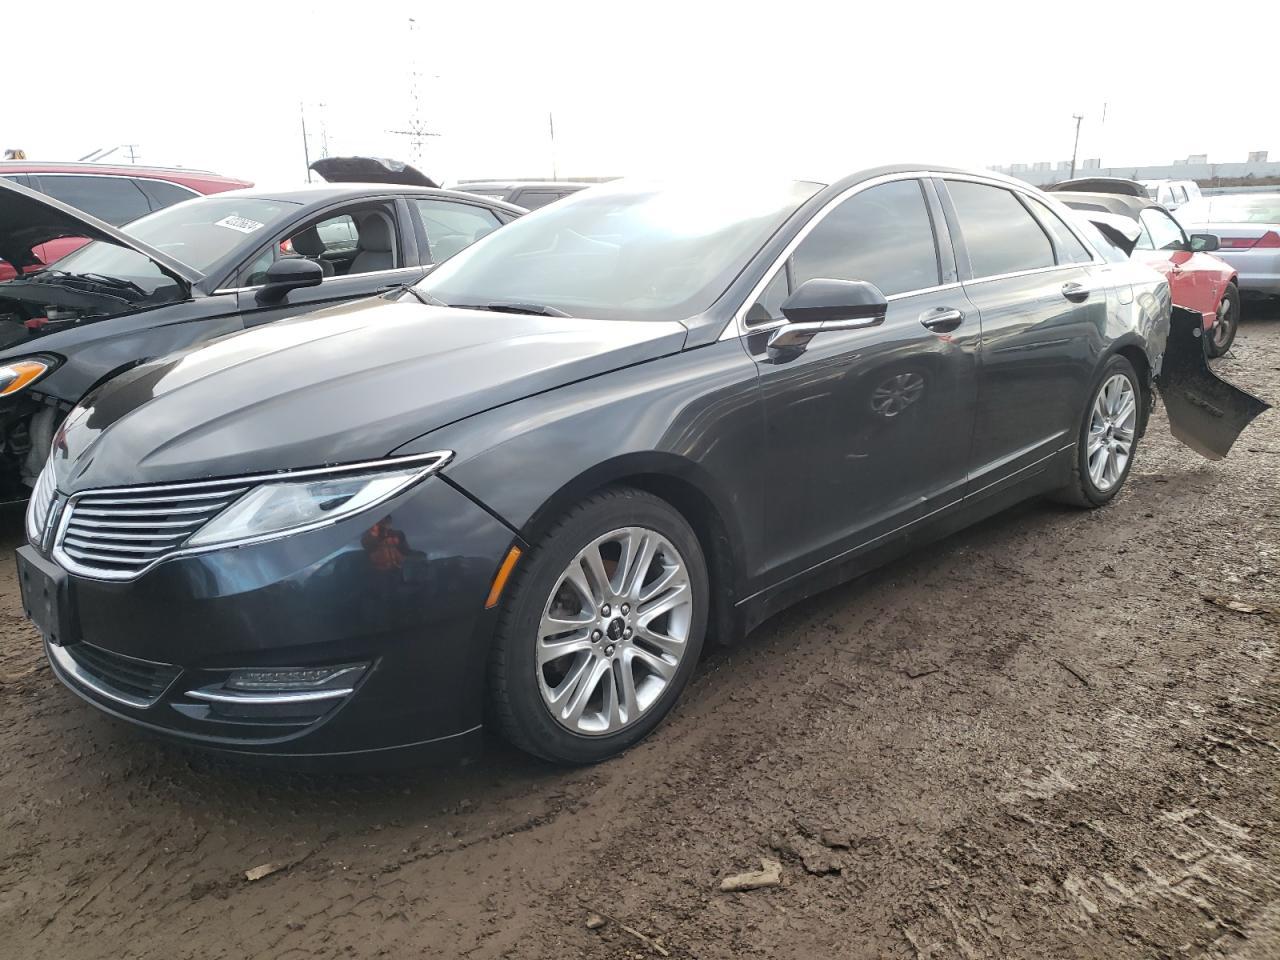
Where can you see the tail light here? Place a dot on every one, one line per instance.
(1268, 240)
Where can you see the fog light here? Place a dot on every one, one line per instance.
(297, 678)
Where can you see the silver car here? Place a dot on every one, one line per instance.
(1247, 226)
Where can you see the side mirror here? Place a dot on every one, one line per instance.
(819, 305)
(1204, 243)
(290, 274)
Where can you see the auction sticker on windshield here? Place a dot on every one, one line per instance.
(243, 224)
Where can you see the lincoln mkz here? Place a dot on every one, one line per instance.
(524, 492)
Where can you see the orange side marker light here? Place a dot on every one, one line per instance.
(500, 580)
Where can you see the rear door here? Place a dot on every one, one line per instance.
(1042, 310)
(867, 430)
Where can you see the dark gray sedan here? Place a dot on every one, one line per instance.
(191, 272)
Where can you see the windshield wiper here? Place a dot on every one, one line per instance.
(114, 282)
(536, 309)
(424, 298)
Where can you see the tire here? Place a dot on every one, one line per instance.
(563, 695)
(1223, 333)
(1086, 488)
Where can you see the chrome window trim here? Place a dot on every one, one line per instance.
(738, 327)
(371, 273)
(433, 463)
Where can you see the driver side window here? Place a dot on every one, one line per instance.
(1164, 233)
(346, 243)
(883, 235)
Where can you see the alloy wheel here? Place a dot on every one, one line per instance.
(1223, 329)
(1112, 428)
(614, 631)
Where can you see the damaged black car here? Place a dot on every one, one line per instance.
(195, 271)
(523, 493)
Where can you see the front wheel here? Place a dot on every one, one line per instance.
(1224, 329)
(601, 630)
(1108, 437)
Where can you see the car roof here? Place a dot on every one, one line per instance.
(520, 184)
(326, 192)
(171, 174)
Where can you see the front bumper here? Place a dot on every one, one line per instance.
(406, 597)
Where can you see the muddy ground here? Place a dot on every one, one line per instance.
(1033, 740)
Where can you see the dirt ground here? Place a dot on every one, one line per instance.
(1035, 739)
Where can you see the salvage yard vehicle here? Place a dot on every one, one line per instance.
(1171, 194)
(1198, 280)
(523, 492)
(116, 194)
(189, 273)
(1247, 227)
(530, 194)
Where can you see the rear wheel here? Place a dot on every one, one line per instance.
(601, 630)
(1108, 437)
(1224, 329)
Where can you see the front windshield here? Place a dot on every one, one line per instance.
(198, 232)
(622, 251)
(1233, 208)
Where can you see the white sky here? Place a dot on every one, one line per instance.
(642, 87)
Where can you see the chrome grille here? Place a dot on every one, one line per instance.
(116, 534)
(38, 507)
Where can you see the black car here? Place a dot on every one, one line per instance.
(522, 494)
(530, 194)
(191, 272)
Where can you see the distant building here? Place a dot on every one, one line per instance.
(1196, 167)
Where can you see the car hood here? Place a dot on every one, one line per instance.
(28, 219)
(370, 170)
(347, 384)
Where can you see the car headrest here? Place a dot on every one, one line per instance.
(375, 234)
(308, 242)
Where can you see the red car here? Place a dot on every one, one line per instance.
(116, 194)
(1197, 279)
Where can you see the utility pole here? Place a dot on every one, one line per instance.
(133, 156)
(551, 122)
(1075, 150)
(306, 150)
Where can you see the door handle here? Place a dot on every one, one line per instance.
(942, 319)
(1075, 292)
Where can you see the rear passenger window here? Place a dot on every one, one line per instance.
(998, 230)
(164, 194)
(882, 235)
(1070, 249)
(116, 200)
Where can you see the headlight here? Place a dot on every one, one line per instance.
(291, 506)
(22, 373)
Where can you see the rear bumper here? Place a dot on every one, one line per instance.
(158, 651)
(1258, 271)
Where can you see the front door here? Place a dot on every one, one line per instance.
(362, 249)
(1164, 246)
(869, 429)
